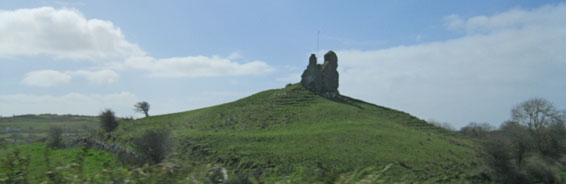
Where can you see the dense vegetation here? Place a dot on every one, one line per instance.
(529, 148)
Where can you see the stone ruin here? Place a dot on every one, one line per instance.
(322, 79)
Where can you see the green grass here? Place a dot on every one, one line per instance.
(93, 162)
(289, 129)
(31, 128)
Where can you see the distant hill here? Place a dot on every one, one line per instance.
(290, 130)
(30, 128)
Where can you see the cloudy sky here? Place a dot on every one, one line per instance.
(448, 61)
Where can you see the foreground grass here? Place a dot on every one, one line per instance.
(94, 161)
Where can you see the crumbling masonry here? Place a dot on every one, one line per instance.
(322, 79)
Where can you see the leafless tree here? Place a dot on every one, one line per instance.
(535, 113)
(478, 130)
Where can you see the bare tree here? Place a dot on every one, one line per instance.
(142, 107)
(520, 140)
(478, 130)
(535, 113)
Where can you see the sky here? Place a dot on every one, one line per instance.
(449, 61)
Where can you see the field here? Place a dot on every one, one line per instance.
(31, 128)
(94, 161)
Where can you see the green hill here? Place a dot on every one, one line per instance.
(292, 131)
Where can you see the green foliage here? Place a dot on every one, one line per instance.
(108, 120)
(540, 171)
(153, 145)
(55, 137)
(33, 128)
(15, 168)
(515, 155)
(238, 179)
(142, 107)
(46, 164)
(291, 128)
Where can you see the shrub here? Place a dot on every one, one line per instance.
(540, 171)
(153, 145)
(3, 143)
(108, 120)
(55, 137)
(15, 168)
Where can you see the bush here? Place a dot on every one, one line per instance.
(15, 168)
(541, 172)
(108, 120)
(55, 137)
(514, 158)
(3, 143)
(153, 145)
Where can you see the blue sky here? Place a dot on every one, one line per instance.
(451, 61)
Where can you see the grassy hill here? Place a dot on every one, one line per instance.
(292, 131)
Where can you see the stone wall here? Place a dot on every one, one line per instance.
(322, 79)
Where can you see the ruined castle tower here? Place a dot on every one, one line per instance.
(312, 76)
(322, 79)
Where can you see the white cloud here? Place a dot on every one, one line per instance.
(72, 103)
(507, 58)
(195, 66)
(46, 78)
(98, 77)
(67, 34)
(545, 16)
(63, 33)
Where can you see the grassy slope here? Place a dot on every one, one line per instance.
(291, 128)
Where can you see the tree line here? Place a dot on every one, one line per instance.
(528, 148)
